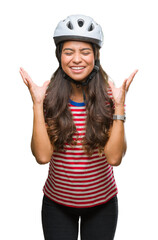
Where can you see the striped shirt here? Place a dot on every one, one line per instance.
(76, 179)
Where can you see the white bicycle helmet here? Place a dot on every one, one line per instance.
(79, 27)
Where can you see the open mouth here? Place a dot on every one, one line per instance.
(77, 69)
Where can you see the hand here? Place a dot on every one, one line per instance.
(37, 93)
(119, 94)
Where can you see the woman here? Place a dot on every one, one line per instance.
(79, 128)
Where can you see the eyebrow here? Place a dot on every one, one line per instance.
(83, 49)
(65, 49)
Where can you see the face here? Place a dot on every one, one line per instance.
(77, 59)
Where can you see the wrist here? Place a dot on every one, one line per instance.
(119, 117)
(38, 106)
(119, 110)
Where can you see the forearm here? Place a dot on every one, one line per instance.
(115, 148)
(40, 144)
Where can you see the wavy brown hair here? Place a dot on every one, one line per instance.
(99, 109)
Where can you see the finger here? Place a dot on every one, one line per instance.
(128, 83)
(133, 74)
(24, 80)
(26, 75)
(130, 79)
(23, 73)
(45, 85)
(124, 85)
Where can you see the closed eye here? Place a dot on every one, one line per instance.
(68, 53)
(85, 53)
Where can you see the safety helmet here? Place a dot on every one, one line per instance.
(79, 27)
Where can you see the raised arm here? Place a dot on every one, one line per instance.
(41, 146)
(116, 146)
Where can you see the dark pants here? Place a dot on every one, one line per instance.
(61, 222)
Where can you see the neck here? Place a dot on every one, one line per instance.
(77, 93)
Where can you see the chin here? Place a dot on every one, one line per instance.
(78, 77)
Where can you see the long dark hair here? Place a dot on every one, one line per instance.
(99, 109)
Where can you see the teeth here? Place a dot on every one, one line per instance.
(77, 68)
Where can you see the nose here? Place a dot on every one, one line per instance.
(77, 58)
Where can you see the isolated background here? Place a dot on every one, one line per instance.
(130, 30)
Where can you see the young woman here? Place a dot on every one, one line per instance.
(78, 128)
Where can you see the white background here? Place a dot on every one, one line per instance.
(26, 31)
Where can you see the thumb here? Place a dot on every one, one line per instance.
(124, 85)
(45, 85)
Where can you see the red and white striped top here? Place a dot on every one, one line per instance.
(76, 179)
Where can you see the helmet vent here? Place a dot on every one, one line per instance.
(69, 25)
(91, 27)
(80, 22)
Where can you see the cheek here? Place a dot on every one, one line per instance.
(91, 63)
(91, 60)
(65, 59)
(64, 62)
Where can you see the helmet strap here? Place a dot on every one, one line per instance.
(88, 79)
